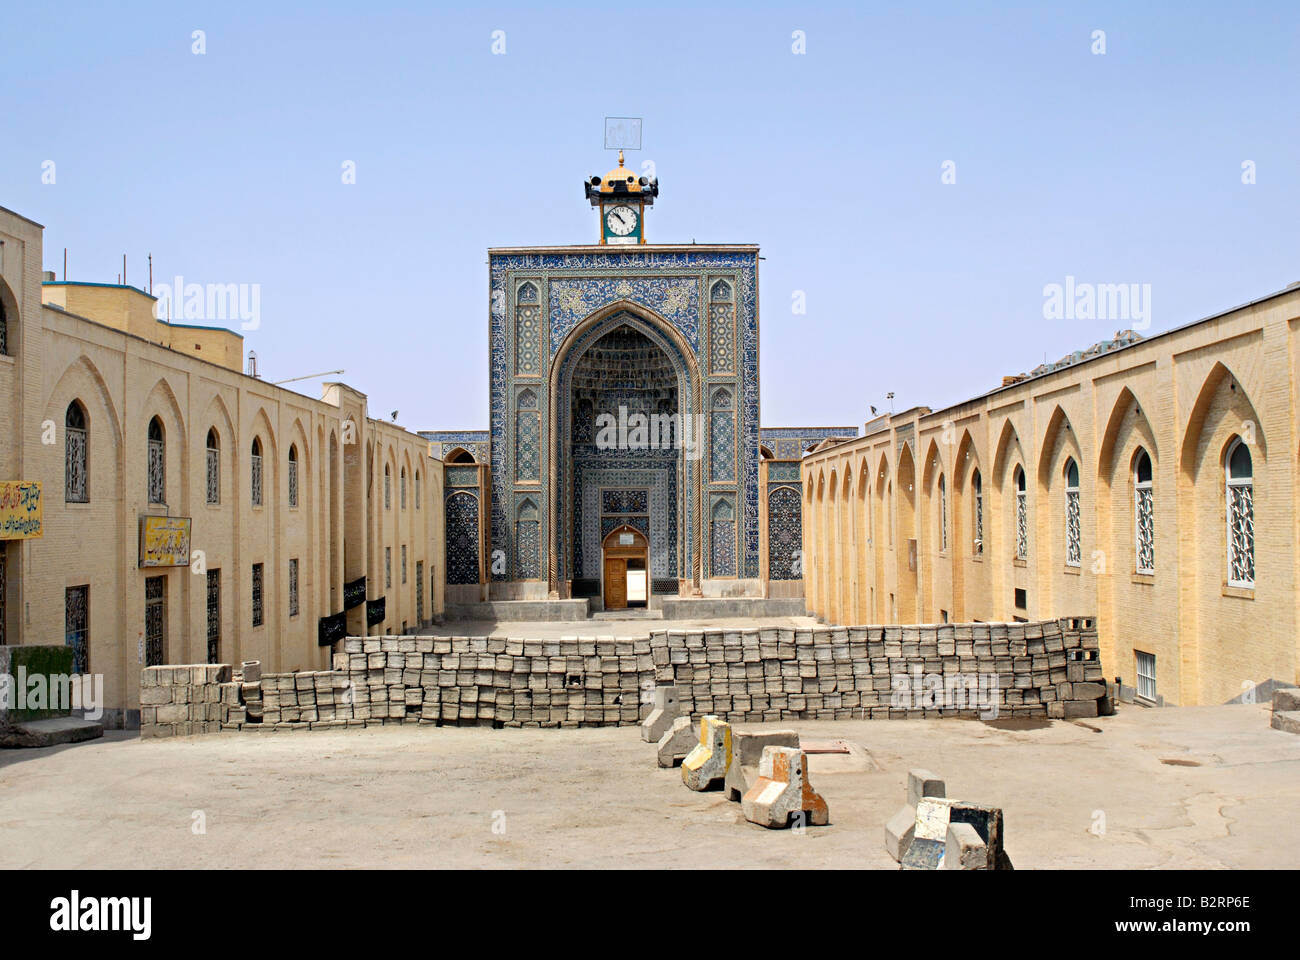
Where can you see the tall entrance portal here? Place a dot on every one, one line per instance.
(626, 461)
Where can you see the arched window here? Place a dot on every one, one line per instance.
(293, 475)
(255, 473)
(388, 488)
(402, 489)
(76, 478)
(214, 466)
(1073, 535)
(1143, 514)
(4, 330)
(1241, 515)
(943, 515)
(1022, 517)
(157, 469)
(977, 488)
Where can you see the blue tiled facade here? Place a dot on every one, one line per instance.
(700, 309)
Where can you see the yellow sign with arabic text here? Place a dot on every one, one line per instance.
(20, 510)
(164, 541)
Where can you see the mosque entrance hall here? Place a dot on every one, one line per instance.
(624, 397)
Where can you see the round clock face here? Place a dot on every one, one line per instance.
(621, 220)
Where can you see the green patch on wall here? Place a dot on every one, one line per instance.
(36, 661)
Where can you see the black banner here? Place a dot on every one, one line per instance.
(354, 593)
(331, 629)
(374, 612)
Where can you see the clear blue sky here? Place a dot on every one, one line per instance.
(1124, 167)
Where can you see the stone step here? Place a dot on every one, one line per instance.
(628, 615)
(1286, 720)
(49, 733)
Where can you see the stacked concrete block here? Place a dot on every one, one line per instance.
(1286, 709)
(1047, 668)
(182, 699)
(498, 681)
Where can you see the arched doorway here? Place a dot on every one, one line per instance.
(622, 369)
(625, 568)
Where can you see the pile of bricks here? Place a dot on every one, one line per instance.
(309, 698)
(570, 682)
(588, 681)
(177, 701)
(1049, 668)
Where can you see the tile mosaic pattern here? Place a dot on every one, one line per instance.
(462, 537)
(784, 533)
(722, 438)
(722, 539)
(676, 299)
(624, 501)
(527, 541)
(790, 443)
(784, 473)
(460, 476)
(660, 483)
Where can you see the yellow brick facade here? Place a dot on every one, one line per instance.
(890, 518)
(340, 529)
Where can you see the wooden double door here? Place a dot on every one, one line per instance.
(625, 579)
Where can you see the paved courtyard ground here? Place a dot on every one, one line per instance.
(1203, 787)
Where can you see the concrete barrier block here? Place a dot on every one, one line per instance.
(899, 832)
(707, 763)
(1286, 699)
(1287, 721)
(662, 716)
(783, 790)
(964, 849)
(677, 742)
(922, 783)
(747, 753)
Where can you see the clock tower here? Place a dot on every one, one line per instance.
(622, 197)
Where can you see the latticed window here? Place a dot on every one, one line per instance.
(155, 621)
(157, 463)
(419, 589)
(255, 473)
(417, 489)
(977, 485)
(1241, 516)
(76, 486)
(76, 626)
(4, 330)
(1143, 514)
(403, 563)
(943, 516)
(1073, 537)
(402, 488)
(293, 587)
(1146, 674)
(293, 476)
(257, 594)
(388, 567)
(214, 616)
(1022, 517)
(214, 467)
(388, 489)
